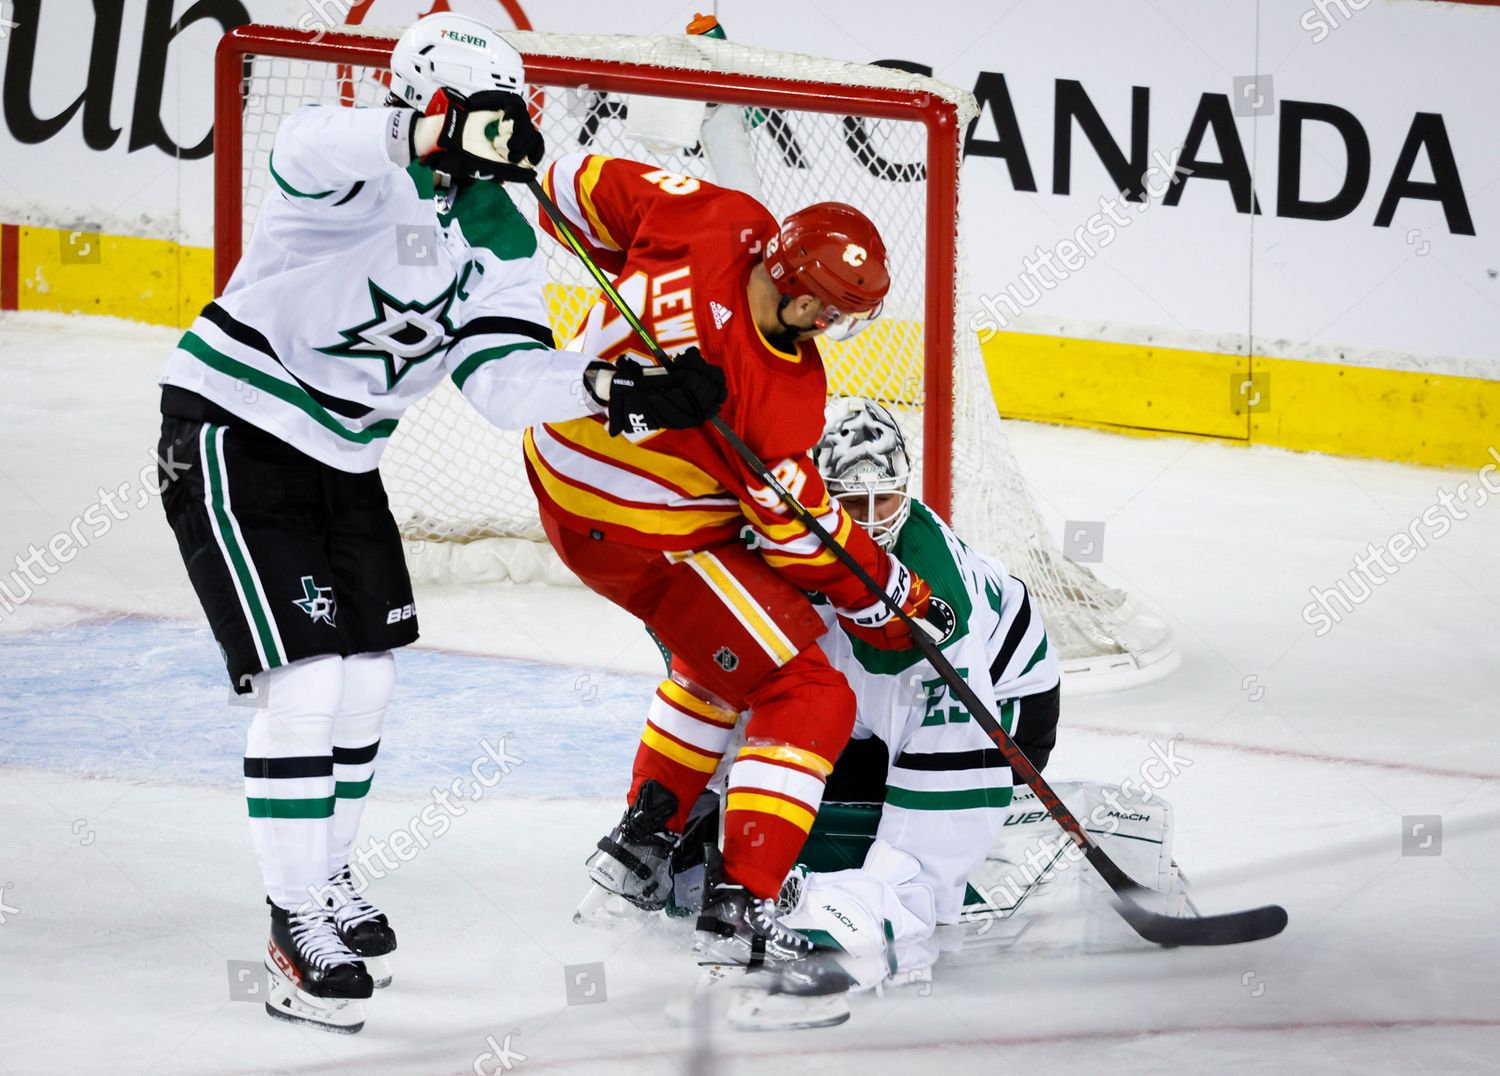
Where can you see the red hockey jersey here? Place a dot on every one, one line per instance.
(681, 250)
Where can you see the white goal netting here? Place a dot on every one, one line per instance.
(458, 486)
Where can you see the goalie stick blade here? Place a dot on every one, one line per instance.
(1233, 928)
(1229, 929)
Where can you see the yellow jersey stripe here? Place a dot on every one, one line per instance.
(749, 611)
(797, 756)
(794, 813)
(693, 760)
(795, 528)
(586, 184)
(589, 505)
(684, 699)
(595, 437)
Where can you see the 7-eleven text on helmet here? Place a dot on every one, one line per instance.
(834, 253)
(448, 51)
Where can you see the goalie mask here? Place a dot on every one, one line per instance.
(863, 460)
(456, 52)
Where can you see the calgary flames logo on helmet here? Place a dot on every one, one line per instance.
(833, 252)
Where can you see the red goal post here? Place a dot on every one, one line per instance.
(941, 117)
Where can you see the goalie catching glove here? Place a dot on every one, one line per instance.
(683, 392)
(487, 136)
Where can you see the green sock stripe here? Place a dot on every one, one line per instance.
(321, 807)
(352, 790)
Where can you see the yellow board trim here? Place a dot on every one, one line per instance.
(809, 760)
(1370, 412)
(1378, 414)
(677, 753)
(1101, 384)
(151, 280)
(796, 814)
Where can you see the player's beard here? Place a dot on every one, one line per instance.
(787, 339)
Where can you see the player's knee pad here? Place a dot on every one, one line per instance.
(369, 681)
(806, 704)
(877, 920)
(296, 706)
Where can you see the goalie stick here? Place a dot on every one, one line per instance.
(1228, 929)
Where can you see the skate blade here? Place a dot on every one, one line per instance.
(288, 1002)
(745, 1002)
(379, 968)
(753, 1008)
(601, 908)
(709, 992)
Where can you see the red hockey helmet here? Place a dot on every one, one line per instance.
(834, 253)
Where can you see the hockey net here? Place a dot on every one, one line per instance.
(789, 129)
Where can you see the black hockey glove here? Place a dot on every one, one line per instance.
(685, 392)
(486, 136)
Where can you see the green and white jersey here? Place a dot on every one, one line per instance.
(947, 784)
(358, 293)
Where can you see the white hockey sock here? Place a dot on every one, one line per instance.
(289, 776)
(369, 680)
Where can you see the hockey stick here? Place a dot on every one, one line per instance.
(1251, 925)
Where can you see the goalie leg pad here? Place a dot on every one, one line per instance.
(877, 920)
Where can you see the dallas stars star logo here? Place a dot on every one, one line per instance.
(400, 334)
(317, 602)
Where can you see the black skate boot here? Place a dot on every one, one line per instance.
(634, 861)
(786, 983)
(315, 978)
(363, 927)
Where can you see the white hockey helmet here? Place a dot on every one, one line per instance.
(863, 451)
(453, 51)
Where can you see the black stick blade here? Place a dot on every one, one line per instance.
(1233, 928)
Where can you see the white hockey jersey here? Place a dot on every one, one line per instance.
(947, 784)
(356, 295)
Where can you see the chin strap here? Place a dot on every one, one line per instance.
(786, 340)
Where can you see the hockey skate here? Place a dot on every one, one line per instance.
(633, 862)
(362, 926)
(784, 982)
(315, 978)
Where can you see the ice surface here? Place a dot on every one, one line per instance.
(127, 881)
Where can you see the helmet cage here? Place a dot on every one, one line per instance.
(865, 481)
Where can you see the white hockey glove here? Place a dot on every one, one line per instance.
(487, 136)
